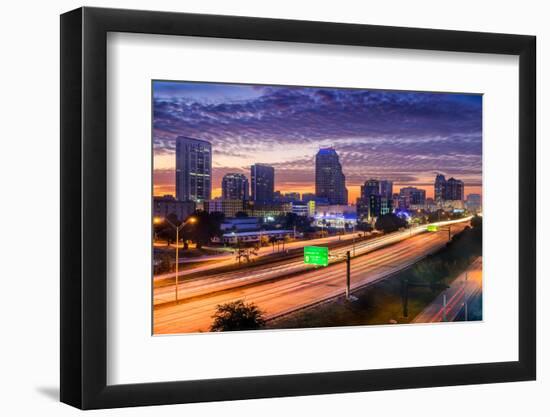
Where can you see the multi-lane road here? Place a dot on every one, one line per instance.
(283, 287)
(228, 258)
(463, 290)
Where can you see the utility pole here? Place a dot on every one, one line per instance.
(348, 274)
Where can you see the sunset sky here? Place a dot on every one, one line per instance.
(406, 137)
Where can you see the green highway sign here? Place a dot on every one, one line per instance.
(432, 228)
(316, 255)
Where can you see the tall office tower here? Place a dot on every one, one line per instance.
(262, 182)
(330, 181)
(454, 189)
(371, 187)
(386, 189)
(234, 187)
(439, 188)
(193, 169)
(370, 202)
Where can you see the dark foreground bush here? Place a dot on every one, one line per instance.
(237, 315)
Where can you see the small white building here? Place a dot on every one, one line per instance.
(255, 236)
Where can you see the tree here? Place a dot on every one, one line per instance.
(206, 226)
(292, 220)
(431, 271)
(165, 231)
(237, 315)
(241, 214)
(389, 223)
(164, 262)
(246, 253)
(476, 222)
(438, 215)
(364, 227)
(273, 240)
(477, 227)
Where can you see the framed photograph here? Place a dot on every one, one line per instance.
(257, 208)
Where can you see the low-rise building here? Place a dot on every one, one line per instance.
(233, 238)
(267, 210)
(302, 208)
(240, 224)
(167, 205)
(452, 205)
(228, 207)
(336, 221)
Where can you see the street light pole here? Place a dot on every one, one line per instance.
(177, 229)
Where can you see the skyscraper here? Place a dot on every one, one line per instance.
(371, 187)
(330, 181)
(376, 199)
(386, 189)
(439, 188)
(262, 182)
(235, 187)
(193, 169)
(369, 203)
(454, 190)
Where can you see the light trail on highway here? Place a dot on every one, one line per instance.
(281, 293)
(222, 281)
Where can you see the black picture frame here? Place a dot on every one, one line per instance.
(84, 207)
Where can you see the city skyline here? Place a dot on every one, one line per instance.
(404, 137)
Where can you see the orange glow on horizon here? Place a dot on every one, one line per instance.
(353, 190)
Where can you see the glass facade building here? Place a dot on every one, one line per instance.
(262, 182)
(330, 181)
(193, 169)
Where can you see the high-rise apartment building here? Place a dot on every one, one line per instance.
(454, 190)
(386, 189)
(193, 169)
(262, 182)
(235, 187)
(411, 196)
(375, 200)
(370, 187)
(439, 188)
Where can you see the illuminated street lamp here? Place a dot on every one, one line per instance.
(190, 220)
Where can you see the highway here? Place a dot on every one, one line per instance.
(466, 287)
(277, 293)
(224, 281)
(229, 257)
